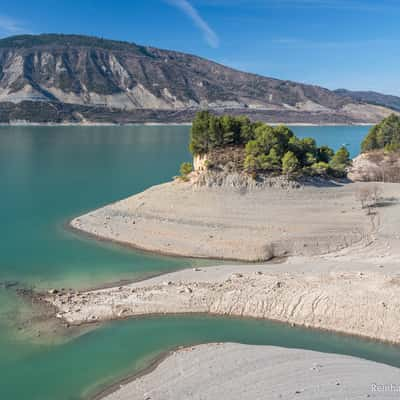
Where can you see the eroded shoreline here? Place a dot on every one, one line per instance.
(348, 283)
(226, 224)
(307, 289)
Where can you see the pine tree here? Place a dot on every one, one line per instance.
(290, 163)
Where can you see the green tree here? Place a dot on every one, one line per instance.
(199, 136)
(270, 149)
(386, 134)
(254, 148)
(232, 128)
(247, 131)
(290, 163)
(215, 132)
(251, 163)
(272, 161)
(309, 159)
(309, 145)
(325, 154)
(283, 135)
(340, 161)
(320, 168)
(265, 138)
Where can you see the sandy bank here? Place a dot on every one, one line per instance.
(176, 218)
(353, 287)
(233, 371)
(343, 275)
(323, 295)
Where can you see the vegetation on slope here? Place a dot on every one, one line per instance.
(54, 39)
(267, 149)
(185, 169)
(380, 158)
(385, 135)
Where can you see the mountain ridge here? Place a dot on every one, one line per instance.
(372, 97)
(120, 77)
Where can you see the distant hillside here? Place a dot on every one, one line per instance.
(380, 99)
(82, 78)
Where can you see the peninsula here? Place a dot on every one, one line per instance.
(238, 203)
(336, 240)
(258, 193)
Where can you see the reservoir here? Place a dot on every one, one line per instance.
(49, 175)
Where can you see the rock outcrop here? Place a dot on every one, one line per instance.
(376, 166)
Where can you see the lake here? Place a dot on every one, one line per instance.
(49, 175)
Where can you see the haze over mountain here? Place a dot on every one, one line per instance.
(72, 78)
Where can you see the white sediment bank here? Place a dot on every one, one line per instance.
(177, 218)
(241, 372)
(352, 299)
(342, 275)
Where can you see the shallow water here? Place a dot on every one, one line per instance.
(47, 176)
(83, 366)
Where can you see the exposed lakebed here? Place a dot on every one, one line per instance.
(51, 174)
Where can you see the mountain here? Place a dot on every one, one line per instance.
(73, 78)
(379, 99)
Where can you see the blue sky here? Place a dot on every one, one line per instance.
(332, 43)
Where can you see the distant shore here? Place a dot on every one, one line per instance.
(53, 124)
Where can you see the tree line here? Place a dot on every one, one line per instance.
(385, 135)
(274, 150)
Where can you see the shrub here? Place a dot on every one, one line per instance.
(251, 164)
(392, 147)
(185, 169)
(340, 162)
(320, 168)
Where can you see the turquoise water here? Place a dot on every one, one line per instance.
(47, 176)
(335, 136)
(84, 365)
